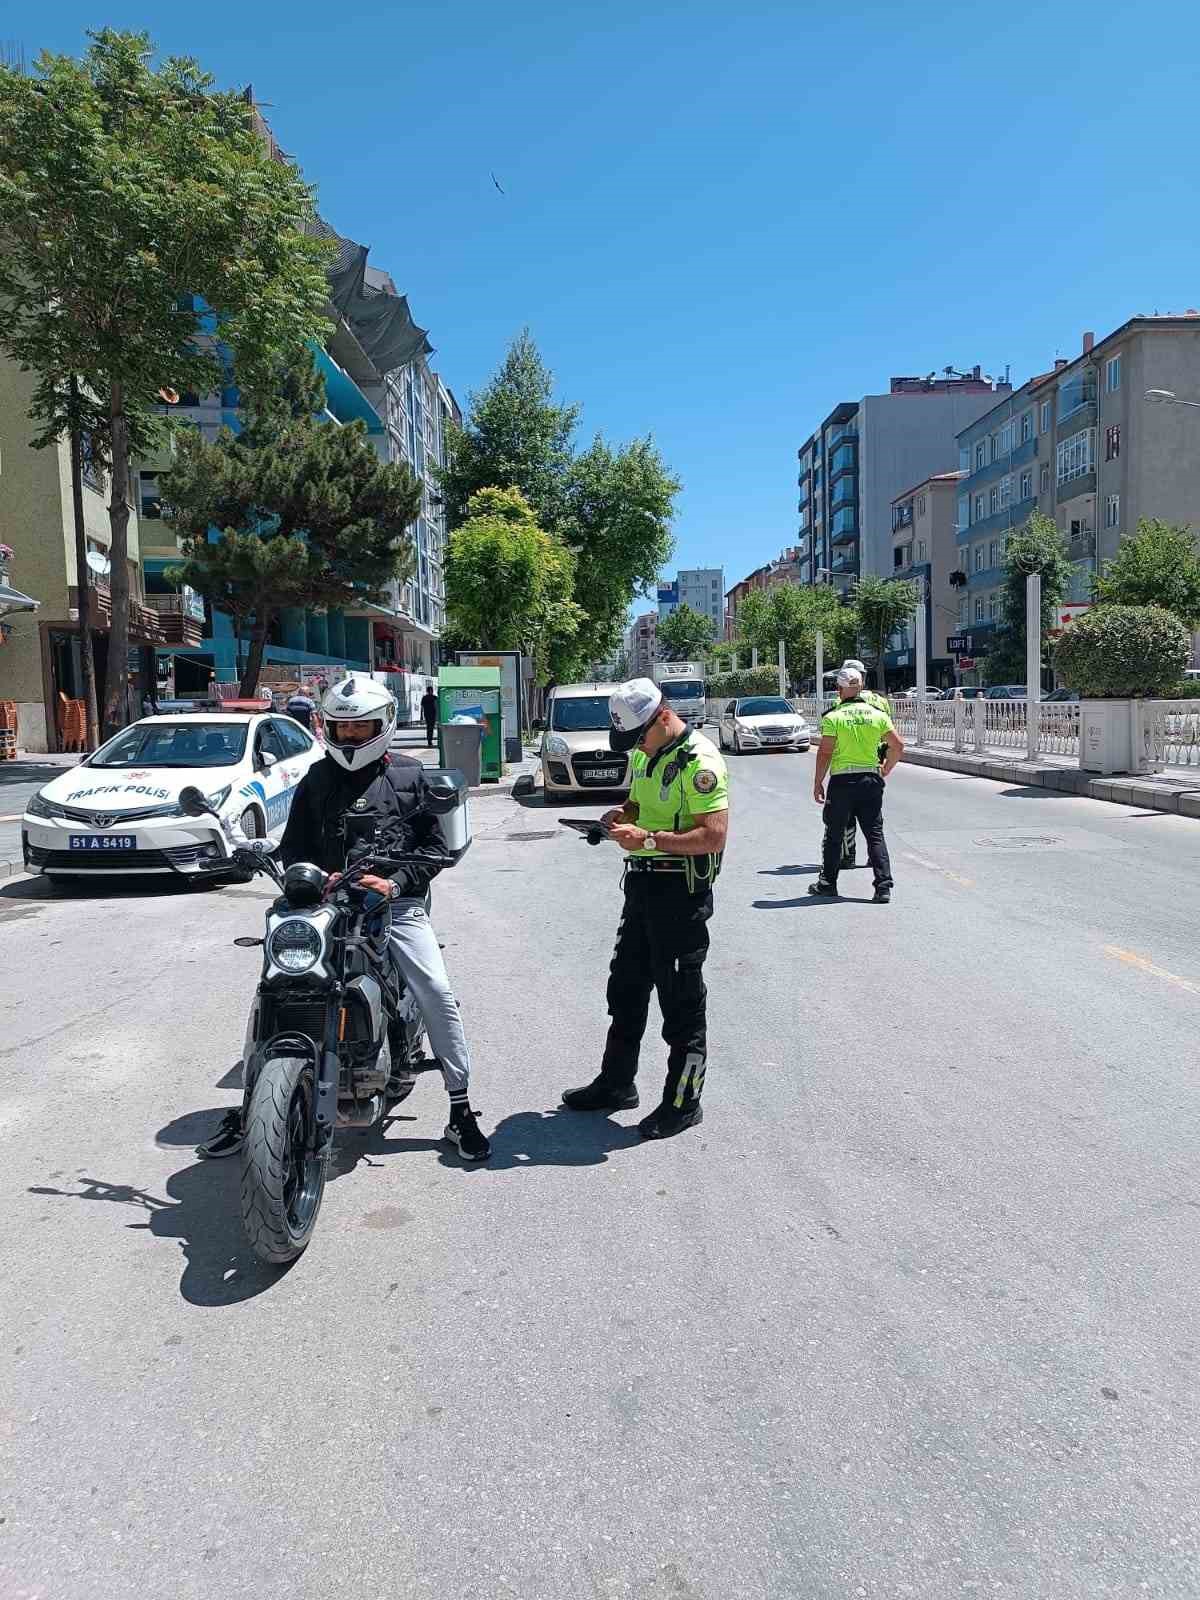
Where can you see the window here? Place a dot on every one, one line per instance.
(151, 501)
(901, 557)
(89, 459)
(964, 513)
(1073, 393)
(1005, 490)
(292, 736)
(993, 606)
(979, 608)
(1112, 374)
(980, 455)
(995, 443)
(1027, 484)
(1112, 511)
(993, 500)
(1045, 416)
(1044, 478)
(1027, 426)
(978, 508)
(921, 505)
(980, 556)
(962, 611)
(1112, 442)
(1076, 455)
(922, 550)
(1006, 439)
(964, 458)
(994, 553)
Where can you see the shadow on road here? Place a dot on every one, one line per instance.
(808, 901)
(555, 1138)
(105, 888)
(799, 869)
(202, 1212)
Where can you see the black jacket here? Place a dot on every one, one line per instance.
(335, 813)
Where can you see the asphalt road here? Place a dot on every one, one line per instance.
(913, 1313)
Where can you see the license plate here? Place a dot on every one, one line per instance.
(779, 738)
(605, 774)
(102, 841)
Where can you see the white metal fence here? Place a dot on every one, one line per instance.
(1170, 728)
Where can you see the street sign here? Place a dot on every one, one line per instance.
(966, 663)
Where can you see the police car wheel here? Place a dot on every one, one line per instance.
(248, 823)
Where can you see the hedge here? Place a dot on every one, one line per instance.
(752, 680)
(1122, 652)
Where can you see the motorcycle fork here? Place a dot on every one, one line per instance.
(328, 1067)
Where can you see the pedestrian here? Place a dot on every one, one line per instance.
(673, 829)
(429, 710)
(850, 836)
(852, 736)
(301, 707)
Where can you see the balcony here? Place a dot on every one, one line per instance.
(1023, 452)
(845, 494)
(144, 624)
(1081, 545)
(844, 561)
(902, 517)
(180, 616)
(845, 535)
(847, 432)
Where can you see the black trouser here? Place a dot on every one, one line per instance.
(661, 944)
(855, 797)
(850, 837)
(430, 724)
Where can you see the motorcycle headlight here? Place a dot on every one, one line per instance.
(37, 807)
(295, 945)
(555, 746)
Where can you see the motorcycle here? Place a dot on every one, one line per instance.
(334, 1038)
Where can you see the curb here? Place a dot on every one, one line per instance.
(1124, 791)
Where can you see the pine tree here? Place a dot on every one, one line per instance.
(305, 513)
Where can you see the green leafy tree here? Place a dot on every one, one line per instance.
(307, 513)
(1158, 566)
(126, 190)
(684, 635)
(1117, 651)
(611, 506)
(795, 613)
(510, 584)
(883, 605)
(1036, 547)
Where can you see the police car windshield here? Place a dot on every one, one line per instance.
(186, 743)
(682, 690)
(765, 706)
(587, 714)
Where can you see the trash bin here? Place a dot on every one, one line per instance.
(462, 746)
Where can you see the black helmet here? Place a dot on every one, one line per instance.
(303, 884)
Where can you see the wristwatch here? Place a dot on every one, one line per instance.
(649, 842)
(394, 890)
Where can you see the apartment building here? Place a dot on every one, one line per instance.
(701, 588)
(924, 549)
(641, 645)
(864, 454)
(786, 568)
(1082, 444)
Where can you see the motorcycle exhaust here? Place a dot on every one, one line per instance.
(359, 1113)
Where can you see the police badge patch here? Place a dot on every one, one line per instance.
(705, 781)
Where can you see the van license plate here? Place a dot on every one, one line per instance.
(102, 841)
(605, 774)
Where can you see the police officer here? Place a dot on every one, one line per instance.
(852, 734)
(673, 828)
(850, 837)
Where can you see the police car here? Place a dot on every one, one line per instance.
(118, 811)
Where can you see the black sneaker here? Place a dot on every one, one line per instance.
(463, 1131)
(882, 897)
(227, 1140)
(599, 1095)
(827, 891)
(665, 1121)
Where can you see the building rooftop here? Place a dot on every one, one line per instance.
(934, 477)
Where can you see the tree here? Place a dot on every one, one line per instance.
(1119, 652)
(1158, 566)
(510, 584)
(684, 635)
(307, 513)
(126, 191)
(1037, 547)
(883, 604)
(611, 506)
(794, 613)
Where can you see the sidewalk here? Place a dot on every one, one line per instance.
(20, 780)
(1177, 790)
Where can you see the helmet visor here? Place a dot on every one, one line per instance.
(351, 733)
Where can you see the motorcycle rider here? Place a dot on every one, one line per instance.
(358, 780)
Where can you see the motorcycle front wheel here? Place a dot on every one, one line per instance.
(282, 1180)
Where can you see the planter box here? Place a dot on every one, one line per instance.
(1110, 738)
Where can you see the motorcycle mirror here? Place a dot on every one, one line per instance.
(193, 803)
(247, 943)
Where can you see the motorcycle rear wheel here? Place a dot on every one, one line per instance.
(282, 1180)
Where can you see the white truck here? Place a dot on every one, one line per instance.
(682, 684)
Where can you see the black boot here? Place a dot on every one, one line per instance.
(827, 891)
(600, 1095)
(667, 1120)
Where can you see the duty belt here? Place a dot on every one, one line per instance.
(655, 864)
(843, 772)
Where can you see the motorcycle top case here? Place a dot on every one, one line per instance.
(456, 821)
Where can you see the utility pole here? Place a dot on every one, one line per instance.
(922, 672)
(782, 669)
(1033, 659)
(820, 672)
(83, 580)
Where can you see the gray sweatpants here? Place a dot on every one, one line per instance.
(415, 951)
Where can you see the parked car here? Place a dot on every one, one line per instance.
(964, 691)
(1061, 694)
(915, 694)
(762, 722)
(1006, 691)
(576, 758)
(117, 813)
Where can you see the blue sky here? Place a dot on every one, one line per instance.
(720, 220)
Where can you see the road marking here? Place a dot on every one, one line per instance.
(15, 818)
(963, 883)
(1140, 962)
